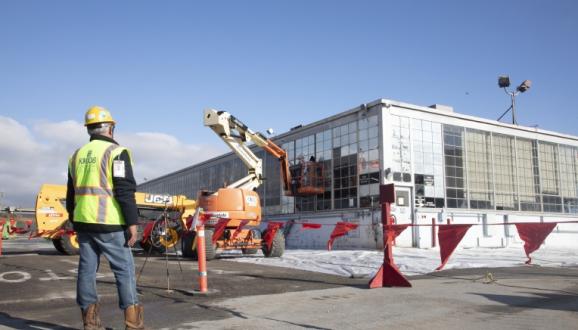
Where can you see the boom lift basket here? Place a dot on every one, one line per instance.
(307, 179)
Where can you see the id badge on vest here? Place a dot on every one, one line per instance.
(118, 169)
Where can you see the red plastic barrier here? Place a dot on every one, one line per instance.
(270, 232)
(239, 228)
(533, 235)
(341, 228)
(449, 237)
(305, 226)
(219, 229)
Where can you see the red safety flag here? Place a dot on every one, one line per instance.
(239, 228)
(393, 231)
(533, 235)
(219, 229)
(270, 232)
(341, 228)
(449, 237)
(305, 226)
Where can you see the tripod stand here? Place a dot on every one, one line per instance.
(165, 236)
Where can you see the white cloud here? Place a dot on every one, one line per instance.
(32, 156)
(156, 154)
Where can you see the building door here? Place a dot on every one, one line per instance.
(402, 211)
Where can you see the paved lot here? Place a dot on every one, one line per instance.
(37, 289)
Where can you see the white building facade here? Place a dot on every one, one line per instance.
(446, 167)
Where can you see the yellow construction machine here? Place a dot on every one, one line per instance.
(162, 219)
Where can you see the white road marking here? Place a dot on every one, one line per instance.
(24, 276)
(53, 277)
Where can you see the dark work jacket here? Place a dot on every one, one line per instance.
(123, 192)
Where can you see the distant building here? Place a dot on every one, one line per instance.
(446, 167)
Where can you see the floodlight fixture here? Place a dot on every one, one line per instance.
(504, 81)
(524, 86)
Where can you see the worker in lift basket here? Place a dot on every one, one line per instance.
(101, 205)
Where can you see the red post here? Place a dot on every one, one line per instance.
(1, 234)
(388, 240)
(388, 274)
(202, 259)
(433, 232)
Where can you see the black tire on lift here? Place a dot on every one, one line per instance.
(277, 247)
(256, 234)
(58, 245)
(210, 248)
(188, 248)
(69, 243)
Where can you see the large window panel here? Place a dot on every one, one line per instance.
(454, 166)
(272, 185)
(479, 169)
(569, 178)
(323, 156)
(345, 166)
(401, 160)
(505, 172)
(549, 177)
(427, 161)
(304, 152)
(368, 162)
(288, 202)
(528, 175)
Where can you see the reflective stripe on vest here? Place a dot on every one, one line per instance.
(95, 192)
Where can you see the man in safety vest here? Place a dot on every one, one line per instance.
(101, 205)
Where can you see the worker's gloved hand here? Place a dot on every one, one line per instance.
(133, 235)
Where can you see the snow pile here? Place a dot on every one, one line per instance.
(412, 261)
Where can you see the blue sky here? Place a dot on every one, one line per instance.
(156, 65)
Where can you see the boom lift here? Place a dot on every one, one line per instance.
(238, 203)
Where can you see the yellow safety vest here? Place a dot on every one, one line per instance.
(91, 171)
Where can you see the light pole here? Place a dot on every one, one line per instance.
(504, 82)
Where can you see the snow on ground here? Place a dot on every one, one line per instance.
(413, 261)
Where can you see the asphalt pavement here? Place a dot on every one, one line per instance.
(37, 291)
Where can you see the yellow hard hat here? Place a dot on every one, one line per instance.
(97, 115)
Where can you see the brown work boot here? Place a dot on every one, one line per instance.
(91, 319)
(134, 317)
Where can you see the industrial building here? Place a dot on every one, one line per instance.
(446, 167)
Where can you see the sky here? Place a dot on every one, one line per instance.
(273, 64)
